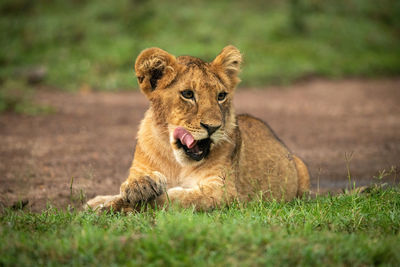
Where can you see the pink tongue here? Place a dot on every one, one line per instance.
(185, 137)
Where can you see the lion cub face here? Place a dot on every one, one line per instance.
(191, 100)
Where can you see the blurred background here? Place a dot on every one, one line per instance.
(75, 43)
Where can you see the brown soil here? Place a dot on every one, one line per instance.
(91, 138)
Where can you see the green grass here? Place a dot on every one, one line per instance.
(348, 229)
(95, 43)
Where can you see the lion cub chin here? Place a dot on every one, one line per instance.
(192, 149)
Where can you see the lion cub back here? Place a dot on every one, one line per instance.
(266, 166)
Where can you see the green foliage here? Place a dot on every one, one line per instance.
(349, 229)
(96, 42)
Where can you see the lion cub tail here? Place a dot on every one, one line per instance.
(303, 177)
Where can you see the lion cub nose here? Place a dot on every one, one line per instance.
(210, 129)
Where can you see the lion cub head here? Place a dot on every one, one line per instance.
(191, 100)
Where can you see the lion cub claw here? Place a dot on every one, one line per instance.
(142, 189)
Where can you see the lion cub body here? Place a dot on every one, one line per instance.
(228, 157)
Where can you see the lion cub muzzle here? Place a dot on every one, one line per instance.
(194, 149)
(210, 129)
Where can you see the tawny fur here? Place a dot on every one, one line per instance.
(245, 161)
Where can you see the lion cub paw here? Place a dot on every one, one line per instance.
(143, 188)
(102, 204)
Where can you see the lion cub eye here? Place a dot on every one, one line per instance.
(221, 96)
(188, 94)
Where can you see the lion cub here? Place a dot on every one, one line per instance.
(191, 147)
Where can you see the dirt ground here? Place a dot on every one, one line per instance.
(90, 140)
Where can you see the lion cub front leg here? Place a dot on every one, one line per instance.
(141, 187)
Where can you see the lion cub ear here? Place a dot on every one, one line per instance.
(228, 62)
(155, 68)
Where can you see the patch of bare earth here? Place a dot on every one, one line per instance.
(91, 138)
